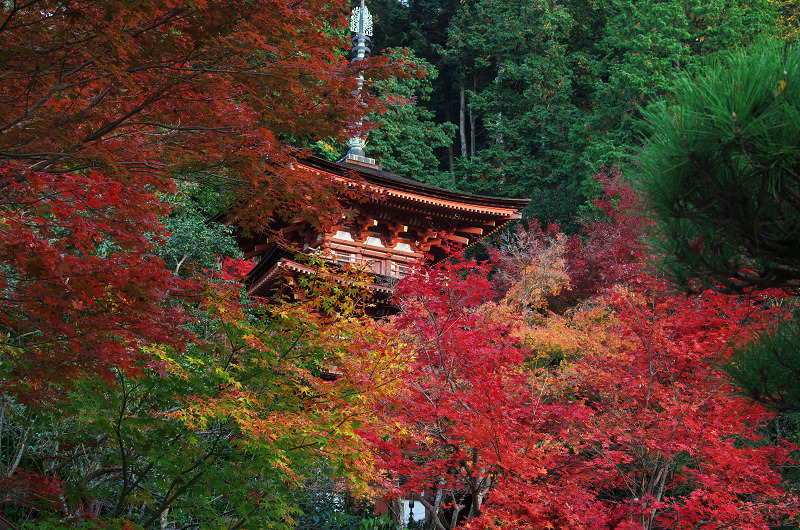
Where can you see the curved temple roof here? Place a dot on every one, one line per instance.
(398, 202)
(397, 186)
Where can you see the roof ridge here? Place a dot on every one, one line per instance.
(370, 174)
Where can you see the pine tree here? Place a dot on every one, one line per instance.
(720, 176)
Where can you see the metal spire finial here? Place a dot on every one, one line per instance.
(361, 25)
(361, 21)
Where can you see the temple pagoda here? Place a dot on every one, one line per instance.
(396, 221)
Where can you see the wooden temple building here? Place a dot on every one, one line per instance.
(397, 222)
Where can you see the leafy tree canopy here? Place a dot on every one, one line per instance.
(407, 137)
(720, 173)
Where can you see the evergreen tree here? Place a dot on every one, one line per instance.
(520, 128)
(645, 44)
(720, 173)
(407, 137)
(720, 176)
(544, 93)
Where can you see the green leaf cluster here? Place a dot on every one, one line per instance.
(552, 90)
(767, 368)
(218, 436)
(720, 172)
(195, 242)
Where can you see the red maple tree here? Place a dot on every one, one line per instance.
(103, 107)
(607, 248)
(644, 432)
(609, 415)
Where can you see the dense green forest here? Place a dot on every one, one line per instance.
(529, 99)
(634, 366)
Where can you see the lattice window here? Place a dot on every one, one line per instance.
(401, 270)
(343, 258)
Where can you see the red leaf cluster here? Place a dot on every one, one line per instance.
(607, 249)
(82, 290)
(103, 105)
(634, 429)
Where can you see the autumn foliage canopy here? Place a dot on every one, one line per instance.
(125, 383)
(560, 385)
(104, 109)
(611, 414)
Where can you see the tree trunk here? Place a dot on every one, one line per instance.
(456, 510)
(400, 514)
(448, 116)
(462, 122)
(655, 489)
(437, 503)
(499, 140)
(22, 448)
(472, 119)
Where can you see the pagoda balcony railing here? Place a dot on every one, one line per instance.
(382, 266)
(372, 255)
